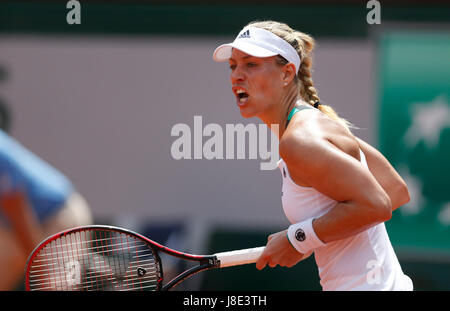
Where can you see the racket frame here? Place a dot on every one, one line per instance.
(206, 262)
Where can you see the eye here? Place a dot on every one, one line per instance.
(251, 64)
(232, 67)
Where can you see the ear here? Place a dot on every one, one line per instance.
(288, 73)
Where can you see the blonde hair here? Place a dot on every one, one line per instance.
(304, 45)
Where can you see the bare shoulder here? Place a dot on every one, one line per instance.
(321, 153)
(310, 131)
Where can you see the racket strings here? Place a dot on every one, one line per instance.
(98, 244)
(39, 274)
(94, 260)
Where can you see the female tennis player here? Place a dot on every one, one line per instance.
(337, 190)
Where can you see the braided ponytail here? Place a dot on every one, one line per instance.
(304, 45)
(307, 90)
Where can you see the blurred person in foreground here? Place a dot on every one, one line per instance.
(337, 190)
(36, 200)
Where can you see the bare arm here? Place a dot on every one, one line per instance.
(23, 221)
(363, 202)
(386, 175)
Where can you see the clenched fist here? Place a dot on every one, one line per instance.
(279, 251)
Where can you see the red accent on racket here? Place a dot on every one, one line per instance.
(107, 258)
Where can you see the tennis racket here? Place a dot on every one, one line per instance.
(107, 258)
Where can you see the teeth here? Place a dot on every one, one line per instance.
(243, 99)
(240, 91)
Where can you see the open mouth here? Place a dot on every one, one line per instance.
(242, 96)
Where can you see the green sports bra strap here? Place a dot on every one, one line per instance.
(295, 110)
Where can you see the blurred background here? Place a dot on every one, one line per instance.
(98, 100)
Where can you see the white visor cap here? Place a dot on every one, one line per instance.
(258, 42)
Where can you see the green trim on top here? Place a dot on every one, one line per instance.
(291, 114)
(295, 110)
(339, 20)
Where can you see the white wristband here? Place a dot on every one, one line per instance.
(302, 236)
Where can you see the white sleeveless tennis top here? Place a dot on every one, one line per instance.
(362, 262)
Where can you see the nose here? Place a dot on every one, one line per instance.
(237, 75)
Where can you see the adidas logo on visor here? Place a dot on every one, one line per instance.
(245, 34)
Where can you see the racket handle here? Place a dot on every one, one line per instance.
(239, 257)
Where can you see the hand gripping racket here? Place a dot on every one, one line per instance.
(106, 258)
